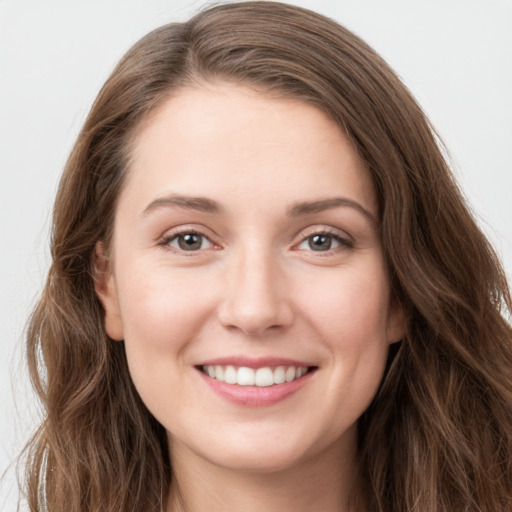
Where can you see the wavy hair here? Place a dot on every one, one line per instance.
(438, 435)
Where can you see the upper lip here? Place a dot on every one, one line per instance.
(251, 362)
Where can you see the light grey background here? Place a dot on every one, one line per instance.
(455, 55)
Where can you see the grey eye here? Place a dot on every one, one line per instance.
(190, 242)
(320, 242)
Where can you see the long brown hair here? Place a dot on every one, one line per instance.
(438, 436)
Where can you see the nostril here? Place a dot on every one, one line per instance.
(254, 298)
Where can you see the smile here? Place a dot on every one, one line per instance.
(250, 382)
(260, 377)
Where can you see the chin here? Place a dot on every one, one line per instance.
(265, 451)
(251, 460)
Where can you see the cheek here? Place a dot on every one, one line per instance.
(162, 312)
(351, 314)
(350, 308)
(160, 308)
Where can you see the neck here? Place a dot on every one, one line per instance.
(324, 482)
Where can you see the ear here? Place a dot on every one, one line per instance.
(397, 322)
(105, 286)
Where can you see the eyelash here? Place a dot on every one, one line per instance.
(344, 243)
(168, 239)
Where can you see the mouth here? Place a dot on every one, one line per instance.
(263, 377)
(255, 382)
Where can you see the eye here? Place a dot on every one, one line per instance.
(323, 242)
(189, 241)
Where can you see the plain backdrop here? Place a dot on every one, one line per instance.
(455, 56)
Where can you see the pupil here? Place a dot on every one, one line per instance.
(320, 242)
(190, 242)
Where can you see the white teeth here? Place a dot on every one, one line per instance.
(245, 376)
(262, 377)
(290, 374)
(230, 375)
(279, 375)
(219, 373)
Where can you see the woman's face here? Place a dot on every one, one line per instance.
(245, 253)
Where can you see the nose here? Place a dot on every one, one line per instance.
(255, 298)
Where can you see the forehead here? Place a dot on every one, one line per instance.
(224, 140)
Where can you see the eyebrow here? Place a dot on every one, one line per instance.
(201, 204)
(206, 205)
(309, 207)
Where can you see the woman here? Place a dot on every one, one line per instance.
(266, 289)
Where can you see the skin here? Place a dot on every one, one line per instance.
(255, 287)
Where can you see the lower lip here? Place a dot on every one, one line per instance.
(255, 396)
